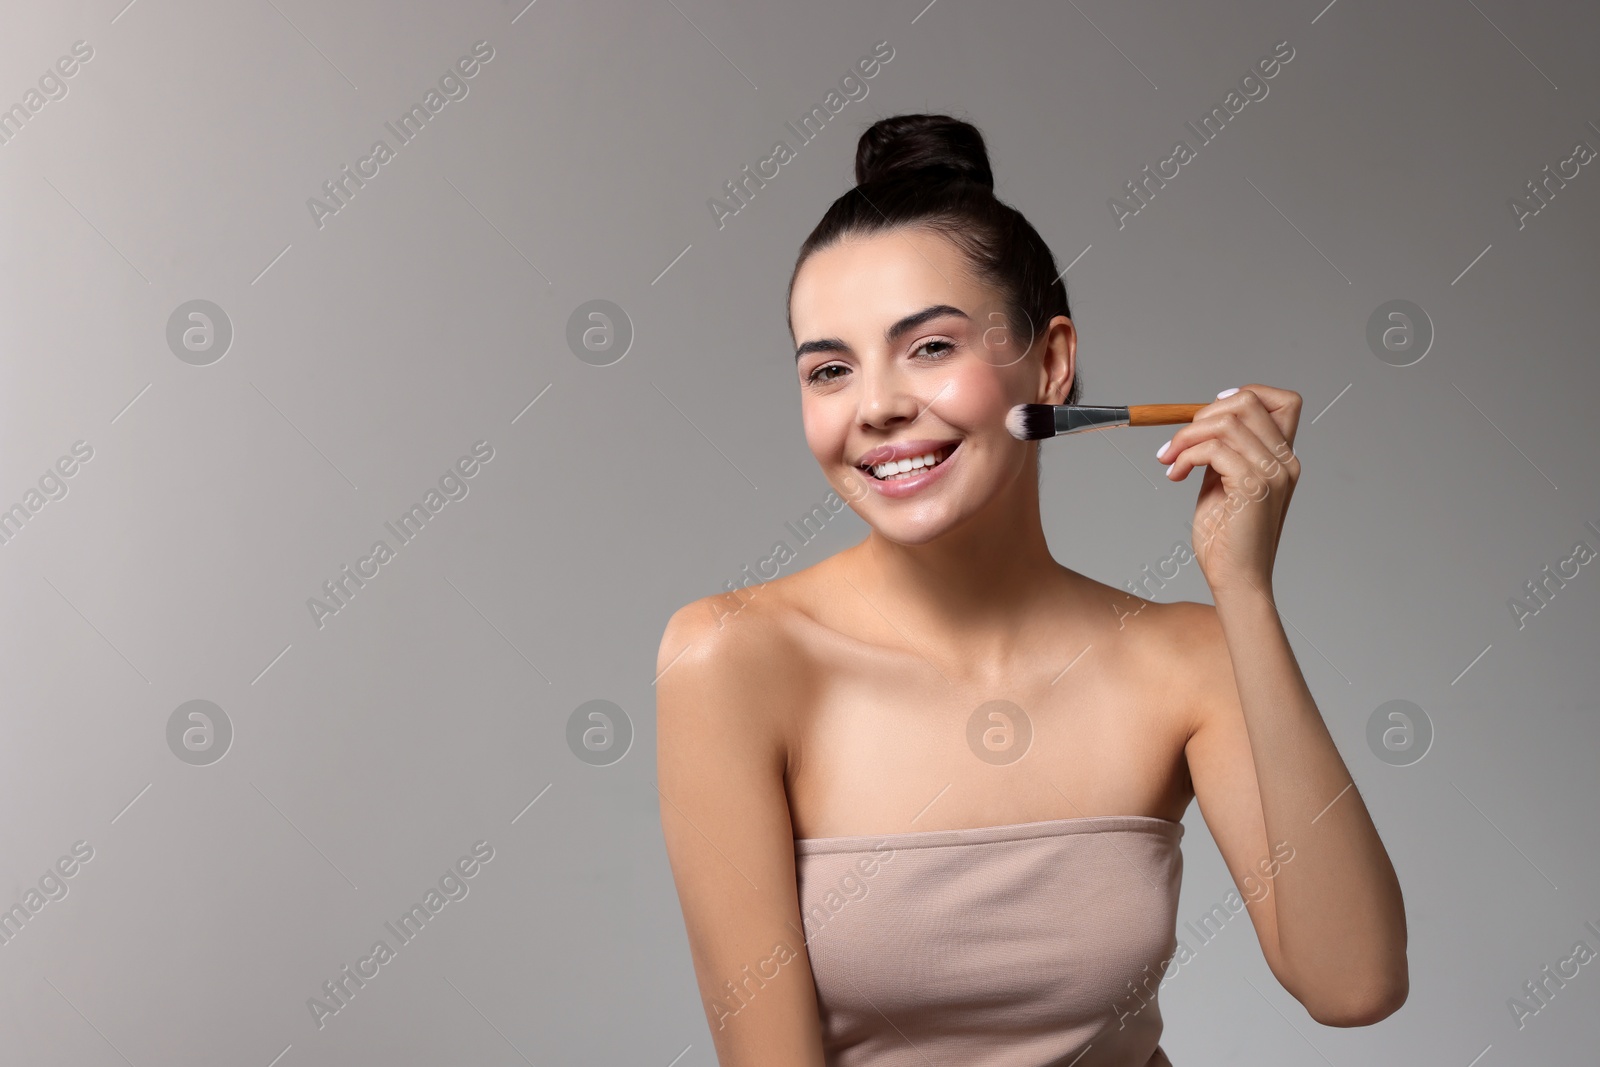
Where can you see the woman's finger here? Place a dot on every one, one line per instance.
(1283, 405)
(1241, 438)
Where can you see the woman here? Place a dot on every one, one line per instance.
(922, 799)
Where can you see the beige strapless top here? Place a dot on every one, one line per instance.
(1036, 944)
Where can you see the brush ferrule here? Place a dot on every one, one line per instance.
(1074, 418)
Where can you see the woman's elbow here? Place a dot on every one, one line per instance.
(1372, 1006)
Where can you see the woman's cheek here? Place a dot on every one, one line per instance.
(825, 432)
(972, 397)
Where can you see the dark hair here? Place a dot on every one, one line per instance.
(933, 171)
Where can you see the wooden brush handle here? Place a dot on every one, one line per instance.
(1161, 414)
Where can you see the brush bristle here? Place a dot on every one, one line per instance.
(1031, 422)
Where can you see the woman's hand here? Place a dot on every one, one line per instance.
(1245, 440)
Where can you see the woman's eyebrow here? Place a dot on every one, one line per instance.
(891, 335)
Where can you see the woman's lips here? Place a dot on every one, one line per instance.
(915, 482)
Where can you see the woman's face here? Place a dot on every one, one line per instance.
(902, 354)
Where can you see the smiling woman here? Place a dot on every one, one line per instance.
(903, 693)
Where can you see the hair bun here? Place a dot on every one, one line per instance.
(932, 145)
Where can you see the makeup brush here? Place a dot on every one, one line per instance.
(1034, 422)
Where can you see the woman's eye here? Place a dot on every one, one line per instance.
(928, 350)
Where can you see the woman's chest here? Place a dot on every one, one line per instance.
(891, 747)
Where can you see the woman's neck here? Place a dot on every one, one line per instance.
(971, 594)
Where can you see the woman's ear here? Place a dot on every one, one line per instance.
(1059, 362)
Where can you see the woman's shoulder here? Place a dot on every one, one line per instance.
(1171, 639)
(760, 621)
(760, 631)
(1176, 647)
(735, 666)
(721, 629)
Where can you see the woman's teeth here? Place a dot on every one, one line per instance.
(900, 468)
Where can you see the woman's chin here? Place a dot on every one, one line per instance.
(913, 530)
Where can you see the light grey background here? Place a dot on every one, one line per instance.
(371, 353)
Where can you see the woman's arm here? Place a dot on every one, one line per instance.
(1264, 766)
(720, 758)
(1289, 821)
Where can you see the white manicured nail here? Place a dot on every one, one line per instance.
(1162, 450)
(1227, 392)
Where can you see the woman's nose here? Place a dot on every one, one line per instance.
(887, 396)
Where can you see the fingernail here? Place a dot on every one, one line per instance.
(1227, 392)
(1162, 450)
